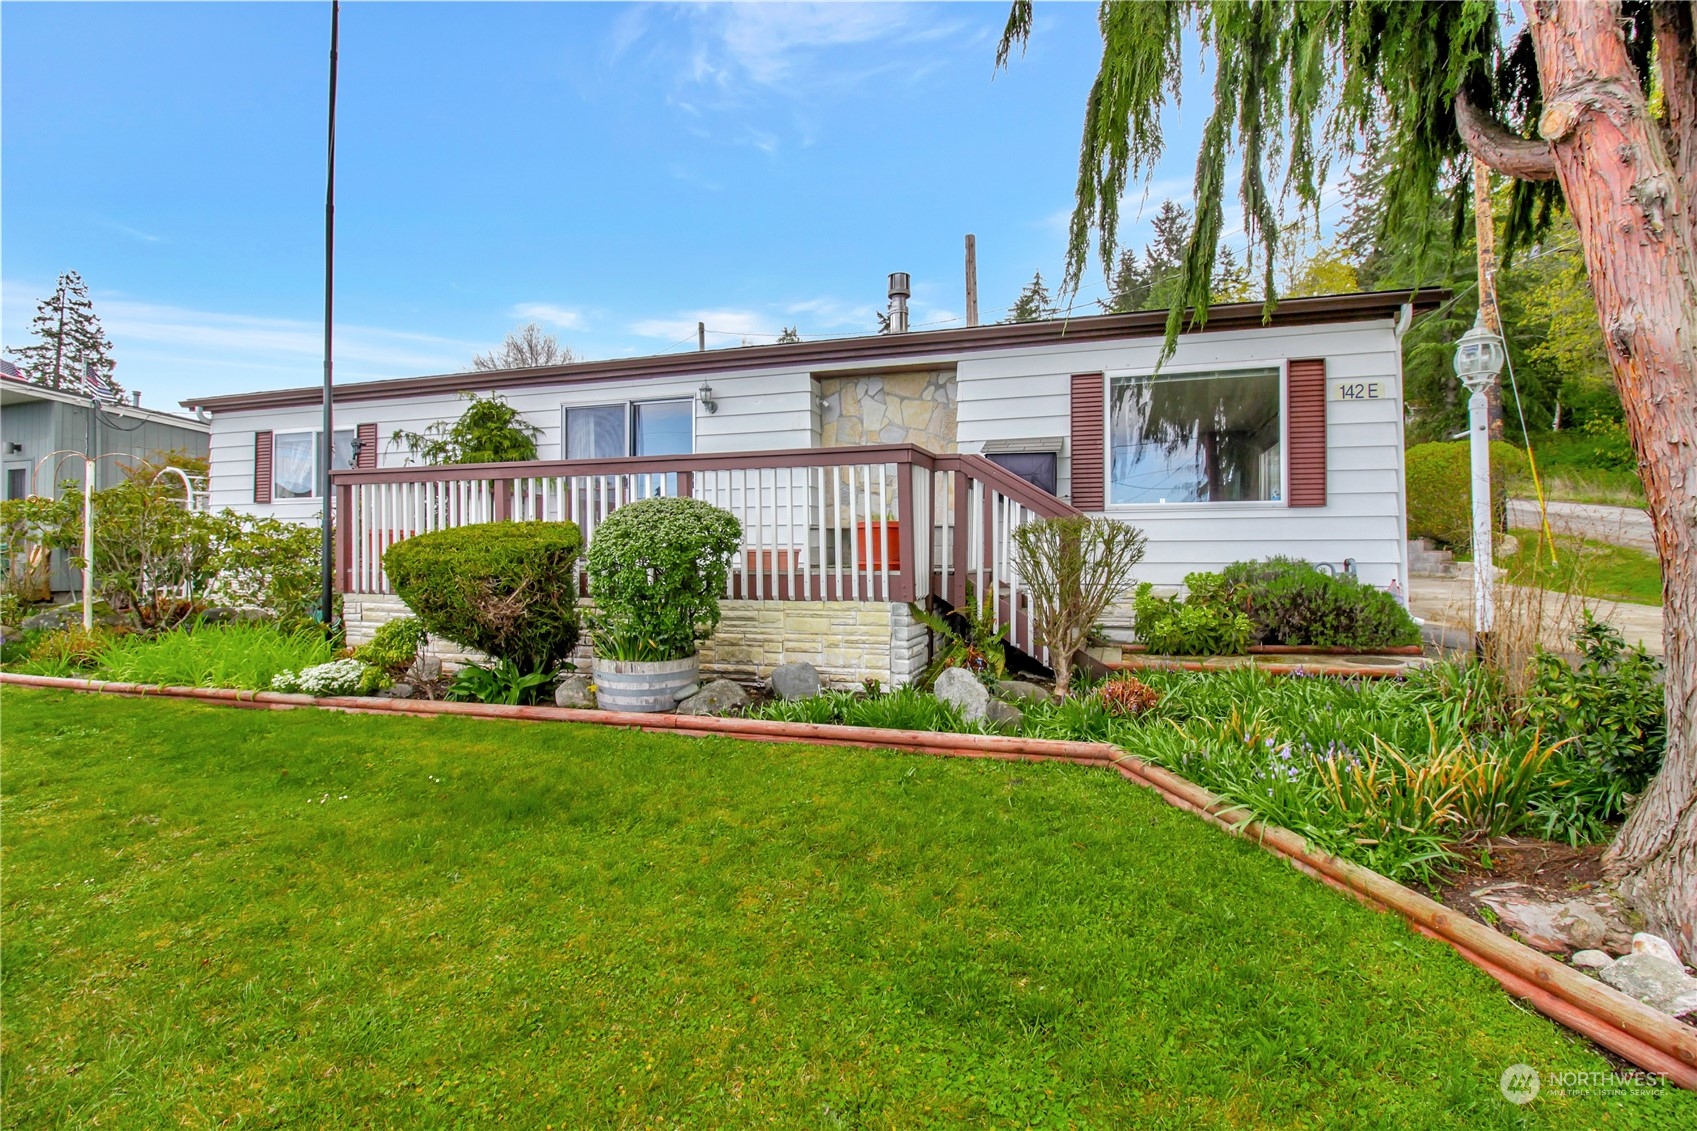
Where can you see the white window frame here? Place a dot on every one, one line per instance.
(317, 435)
(1224, 506)
(629, 408)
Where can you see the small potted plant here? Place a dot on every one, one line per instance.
(656, 570)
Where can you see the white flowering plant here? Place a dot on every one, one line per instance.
(338, 677)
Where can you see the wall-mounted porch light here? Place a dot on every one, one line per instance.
(705, 396)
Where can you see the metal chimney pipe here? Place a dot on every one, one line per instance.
(900, 292)
(135, 397)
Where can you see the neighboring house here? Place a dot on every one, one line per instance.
(36, 422)
(1259, 436)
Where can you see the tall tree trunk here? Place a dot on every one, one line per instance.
(1633, 210)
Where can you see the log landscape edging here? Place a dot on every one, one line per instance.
(1627, 1027)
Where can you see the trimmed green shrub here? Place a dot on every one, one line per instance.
(656, 570)
(1291, 602)
(394, 646)
(1440, 490)
(508, 589)
(1206, 623)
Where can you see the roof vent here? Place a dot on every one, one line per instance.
(900, 291)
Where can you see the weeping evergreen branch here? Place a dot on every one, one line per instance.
(1297, 85)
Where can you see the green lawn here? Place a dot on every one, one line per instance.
(1613, 573)
(216, 917)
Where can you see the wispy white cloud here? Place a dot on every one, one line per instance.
(833, 314)
(133, 233)
(721, 325)
(772, 43)
(563, 317)
(171, 352)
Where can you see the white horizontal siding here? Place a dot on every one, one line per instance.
(755, 412)
(1003, 394)
(1027, 393)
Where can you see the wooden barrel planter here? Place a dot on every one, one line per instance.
(643, 686)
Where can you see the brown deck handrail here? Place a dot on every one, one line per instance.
(879, 522)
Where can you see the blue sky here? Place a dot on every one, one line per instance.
(612, 172)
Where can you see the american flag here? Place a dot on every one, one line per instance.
(97, 386)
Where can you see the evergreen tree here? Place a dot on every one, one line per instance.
(1034, 303)
(1231, 279)
(1149, 281)
(790, 336)
(68, 340)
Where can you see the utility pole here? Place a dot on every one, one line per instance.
(701, 337)
(327, 442)
(971, 280)
(1485, 237)
(59, 342)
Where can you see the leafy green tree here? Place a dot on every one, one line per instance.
(1559, 100)
(68, 340)
(1034, 303)
(789, 336)
(489, 431)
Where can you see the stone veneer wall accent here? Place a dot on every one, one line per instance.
(848, 641)
(889, 408)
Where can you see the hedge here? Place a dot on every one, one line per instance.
(508, 589)
(1440, 490)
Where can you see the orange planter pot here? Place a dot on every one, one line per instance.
(870, 549)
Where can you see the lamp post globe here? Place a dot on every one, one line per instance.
(1479, 357)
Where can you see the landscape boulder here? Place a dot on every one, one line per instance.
(964, 692)
(574, 691)
(1019, 691)
(719, 697)
(1645, 943)
(1654, 981)
(1591, 959)
(795, 681)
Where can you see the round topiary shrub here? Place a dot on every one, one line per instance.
(508, 589)
(1440, 490)
(656, 570)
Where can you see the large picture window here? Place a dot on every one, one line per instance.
(642, 428)
(1195, 437)
(296, 460)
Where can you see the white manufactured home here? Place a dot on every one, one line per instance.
(872, 471)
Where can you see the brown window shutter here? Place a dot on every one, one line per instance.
(1089, 424)
(1305, 424)
(367, 446)
(262, 467)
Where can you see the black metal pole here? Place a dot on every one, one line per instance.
(327, 441)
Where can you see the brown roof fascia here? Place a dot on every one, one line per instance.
(832, 352)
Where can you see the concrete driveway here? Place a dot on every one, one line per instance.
(1448, 601)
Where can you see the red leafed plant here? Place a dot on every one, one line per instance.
(1127, 695)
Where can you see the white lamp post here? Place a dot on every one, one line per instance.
(1479, 357)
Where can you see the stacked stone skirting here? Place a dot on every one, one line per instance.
(848, 641)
